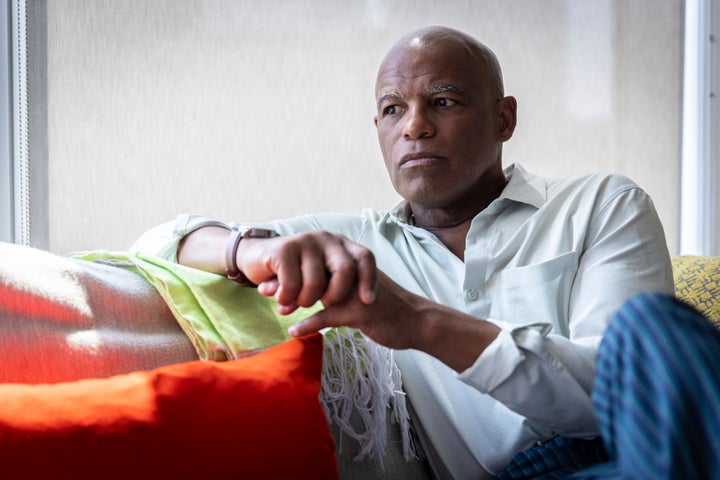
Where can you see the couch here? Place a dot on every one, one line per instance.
(97, 380)
(697, 283)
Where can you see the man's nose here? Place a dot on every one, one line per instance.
(418, 124)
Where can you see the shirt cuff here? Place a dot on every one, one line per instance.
(495, 364)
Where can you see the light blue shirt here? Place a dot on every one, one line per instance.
(549, 261)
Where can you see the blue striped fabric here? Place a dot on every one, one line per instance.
(657, 391)
(656, 397)
(554, 459)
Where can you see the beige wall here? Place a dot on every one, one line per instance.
(251, 110)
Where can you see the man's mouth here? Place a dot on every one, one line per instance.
(420, 159)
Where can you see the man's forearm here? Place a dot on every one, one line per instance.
(204, 249)
(453, 337)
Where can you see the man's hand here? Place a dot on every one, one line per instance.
(391, 320)
(399, 319)
(299, 270)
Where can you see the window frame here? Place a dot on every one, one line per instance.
(23, 150)
(699, 228)
(7, 203)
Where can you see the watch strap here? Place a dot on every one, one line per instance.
(236, 235)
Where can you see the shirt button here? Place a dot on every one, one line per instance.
(472, 294)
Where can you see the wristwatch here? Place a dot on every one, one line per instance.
(236, 235)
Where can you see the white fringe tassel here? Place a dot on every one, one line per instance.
(360, 375)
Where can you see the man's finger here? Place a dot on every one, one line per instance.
(311, 324)
(366, 271)
(289, 275)
(268, 288)
(314, 277)
(342, 270)
(287, 309)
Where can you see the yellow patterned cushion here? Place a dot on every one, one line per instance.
(697, 283)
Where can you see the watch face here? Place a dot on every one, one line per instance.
(253, 232)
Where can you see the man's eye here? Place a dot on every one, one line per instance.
(390, 110)
(444, 102)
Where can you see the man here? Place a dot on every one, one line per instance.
(494, 285)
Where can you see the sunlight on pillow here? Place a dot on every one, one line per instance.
(255, 417)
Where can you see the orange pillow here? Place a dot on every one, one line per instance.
(256, 417)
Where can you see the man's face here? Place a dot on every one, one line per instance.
(438, 124)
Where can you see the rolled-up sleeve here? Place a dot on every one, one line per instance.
(163, 240)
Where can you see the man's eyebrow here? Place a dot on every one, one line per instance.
(388, 96)
(445, 87)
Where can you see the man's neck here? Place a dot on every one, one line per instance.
(451, 225)
(453, 237)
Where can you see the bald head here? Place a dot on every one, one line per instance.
(442, 119)
(436, 40)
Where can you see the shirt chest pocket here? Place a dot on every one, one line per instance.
(539, 293)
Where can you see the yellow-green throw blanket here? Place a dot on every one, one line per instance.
(222, 319)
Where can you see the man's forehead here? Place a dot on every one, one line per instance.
(423, 65)
(414, 60)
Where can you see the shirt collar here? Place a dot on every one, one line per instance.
(401, 212)
(522, 186)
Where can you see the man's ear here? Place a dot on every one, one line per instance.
(507, 111)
